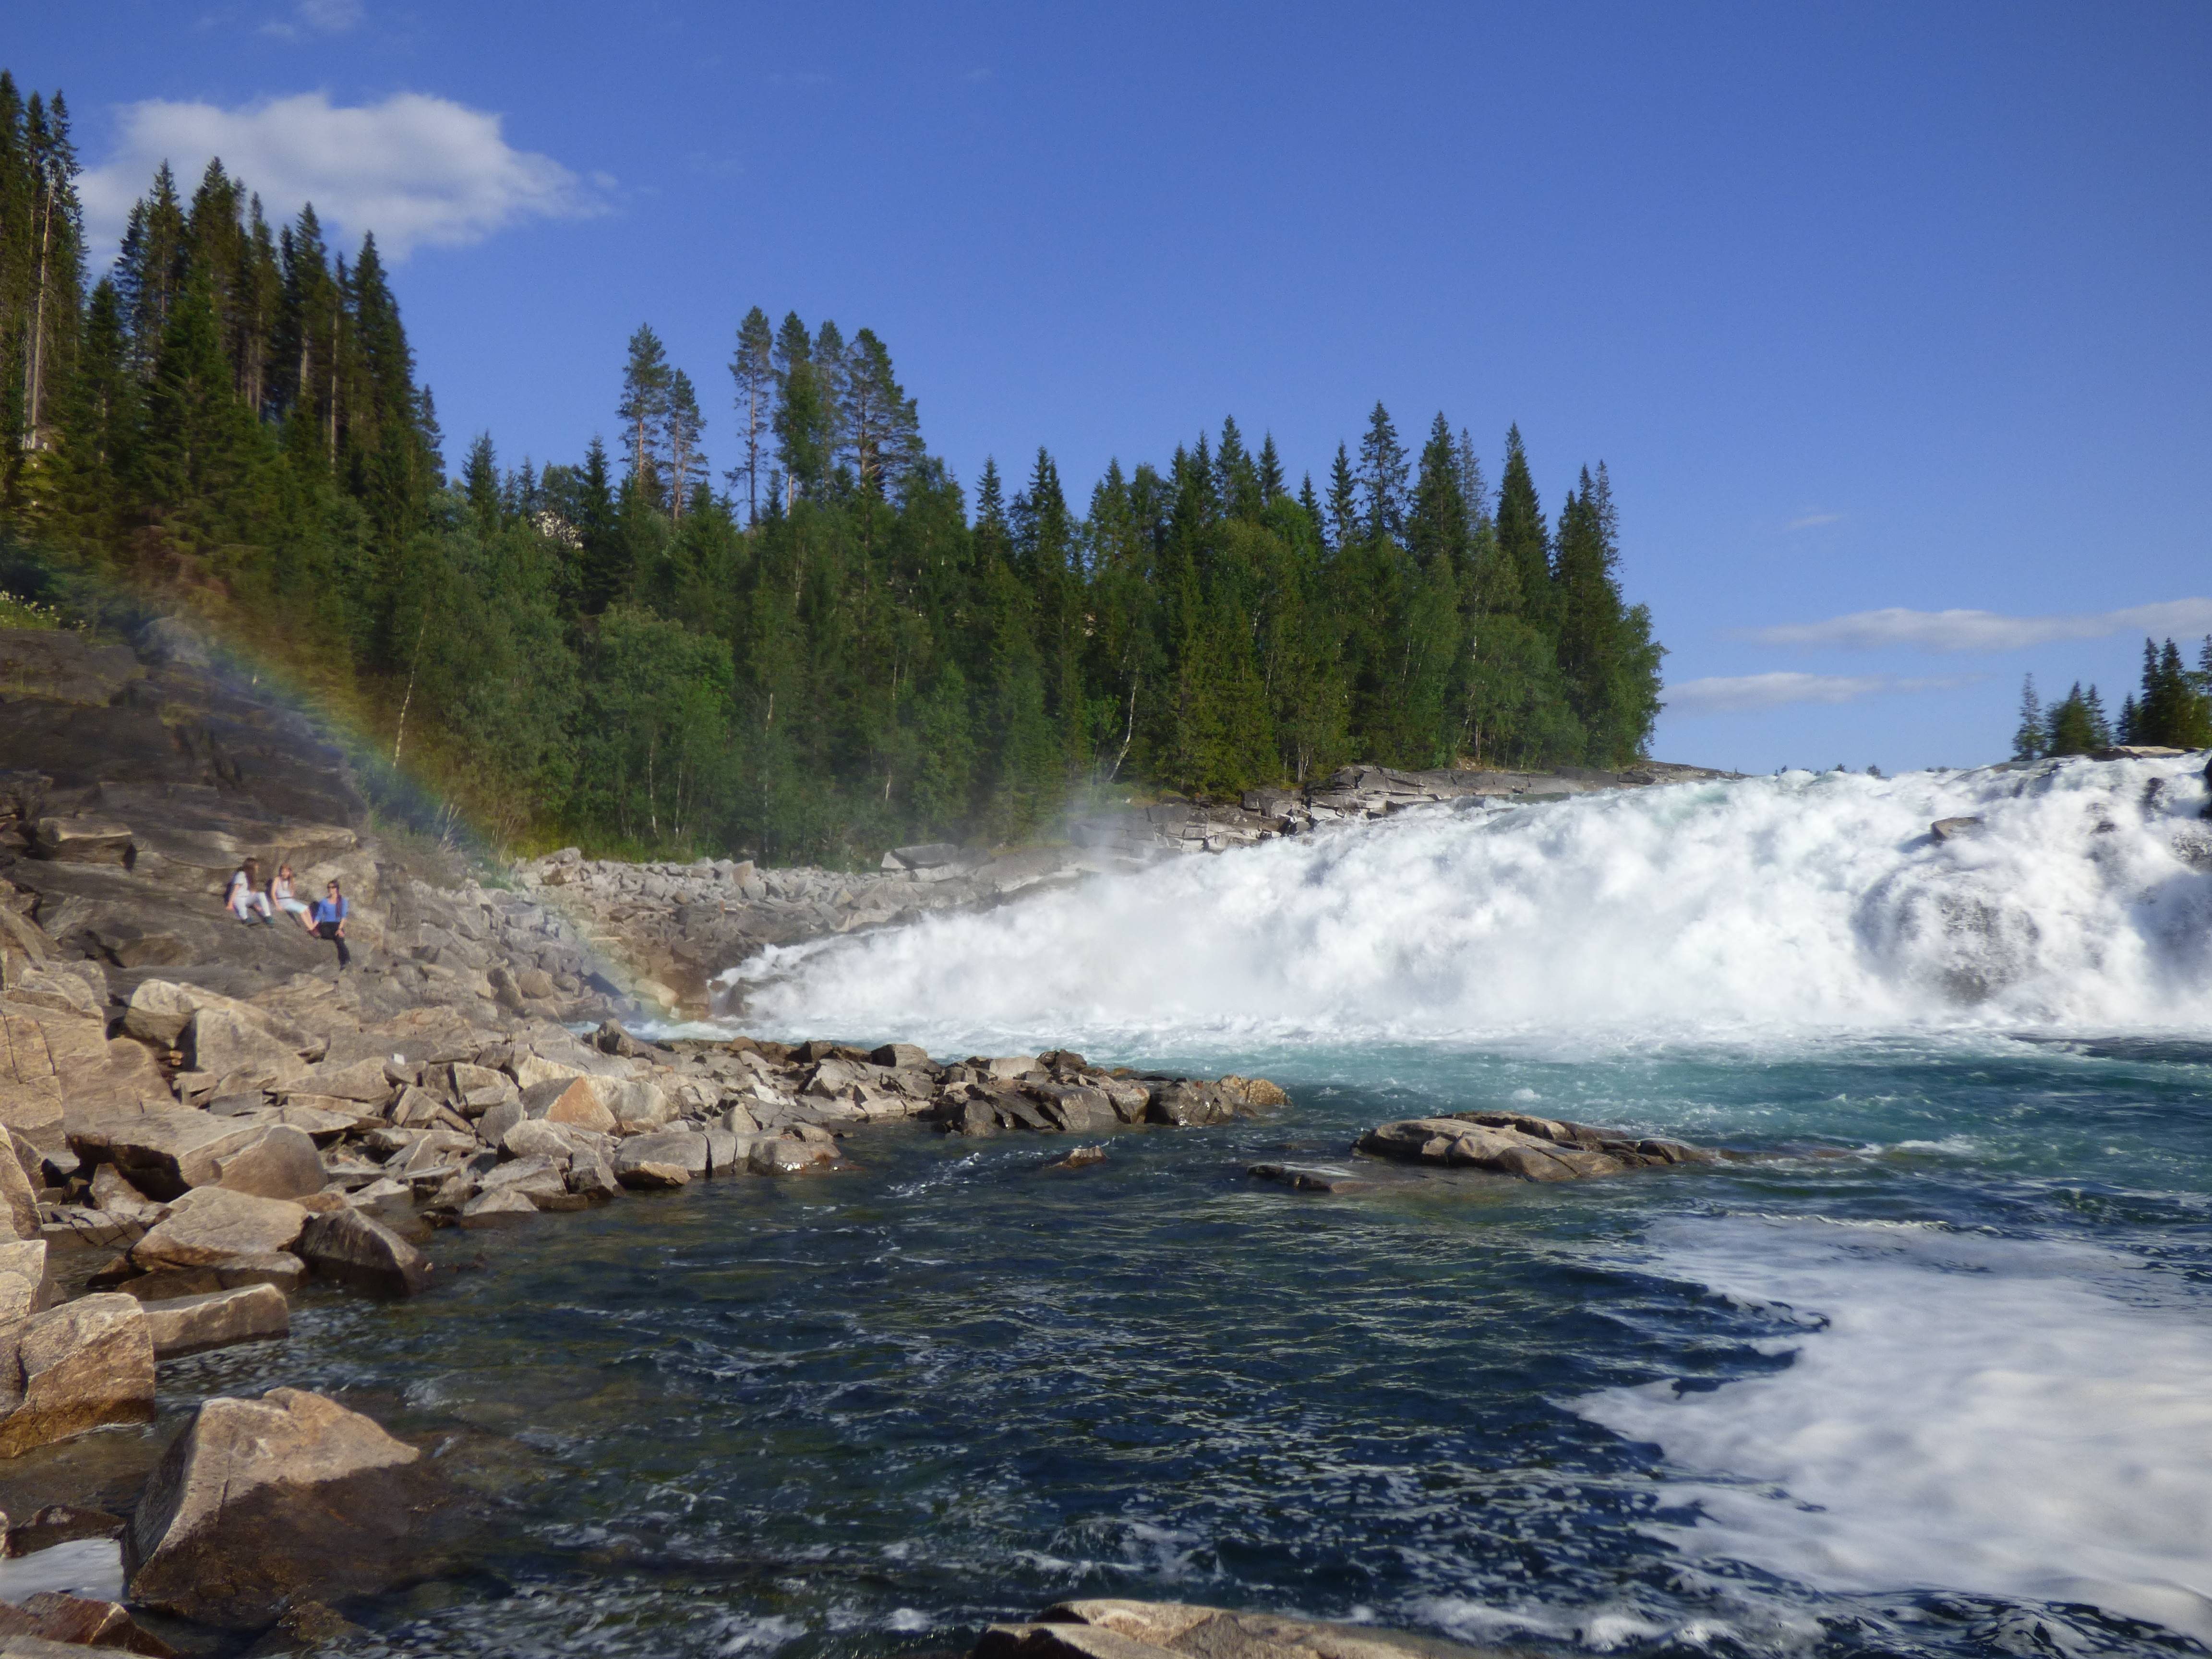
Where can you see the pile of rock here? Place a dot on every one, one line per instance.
(1518, 1144)
(1057, 1093)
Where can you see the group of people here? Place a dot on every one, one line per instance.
(325, 918)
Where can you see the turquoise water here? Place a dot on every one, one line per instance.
(871, 1412)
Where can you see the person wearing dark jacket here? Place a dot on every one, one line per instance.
(330, 921)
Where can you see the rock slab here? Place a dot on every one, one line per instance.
(261, 1502)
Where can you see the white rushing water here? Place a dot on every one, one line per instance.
(1784, 904)
(2008, 1417)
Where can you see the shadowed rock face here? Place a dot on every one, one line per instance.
(263, 1501)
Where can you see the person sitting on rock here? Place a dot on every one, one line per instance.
(330, 920)
(281, 895)
(244, 896)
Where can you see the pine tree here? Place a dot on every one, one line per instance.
(1383, 478)
(752, 367)
(682, 425)
(2031, 741)
(1271, 486)
(1522, 540)
(643, 410)
(1342, 526)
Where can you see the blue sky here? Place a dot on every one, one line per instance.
(1870, 309)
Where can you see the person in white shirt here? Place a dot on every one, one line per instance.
(244, 897)
(280, 893)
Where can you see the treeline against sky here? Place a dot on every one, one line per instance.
(2171, 708)
(826, 647)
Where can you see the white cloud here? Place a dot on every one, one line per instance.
(418, 171)
(1813, 519)
(1987, 630)
(1746, 693)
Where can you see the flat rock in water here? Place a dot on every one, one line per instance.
(261, 1502)
(193, 1324)
(1108, 1629)
(497, 1208)
(1518, 1144)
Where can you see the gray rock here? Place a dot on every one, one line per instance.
(211, 1226)
(193, 1324)
(1953, 829)
(901, 1056)
(496, 1209)
(83, 1365)
(682, 1148)
(591, 1178)
(225, 1043)
(538, 1179)
(265, 1503)
(492, 1128)
(281, 1163)
(352, 1246)
(165, 1153)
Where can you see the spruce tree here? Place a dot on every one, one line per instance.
(1523, 542)
(2030, 741)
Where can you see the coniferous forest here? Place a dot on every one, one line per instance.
(816, 645)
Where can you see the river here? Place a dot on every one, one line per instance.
(1927, 1369)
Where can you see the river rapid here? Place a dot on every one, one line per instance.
(1930, 1371)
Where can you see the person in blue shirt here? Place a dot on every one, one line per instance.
(331, 920)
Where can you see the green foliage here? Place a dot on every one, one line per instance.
(842, 653)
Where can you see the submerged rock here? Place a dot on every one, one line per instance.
(261, 1502)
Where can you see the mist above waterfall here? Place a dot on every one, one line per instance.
(1799, 902)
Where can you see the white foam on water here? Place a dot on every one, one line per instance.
(1784, 904)
(2002, 1417)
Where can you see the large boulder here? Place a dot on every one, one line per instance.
(166, 1153)
(575, 1100)
(354, 1248)
(240, 1052)
(78, 1367)
(651, 1160)
(261, 1502)
(82, 840)
(281, 1161)
(220, 1319)
(211, 1226)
